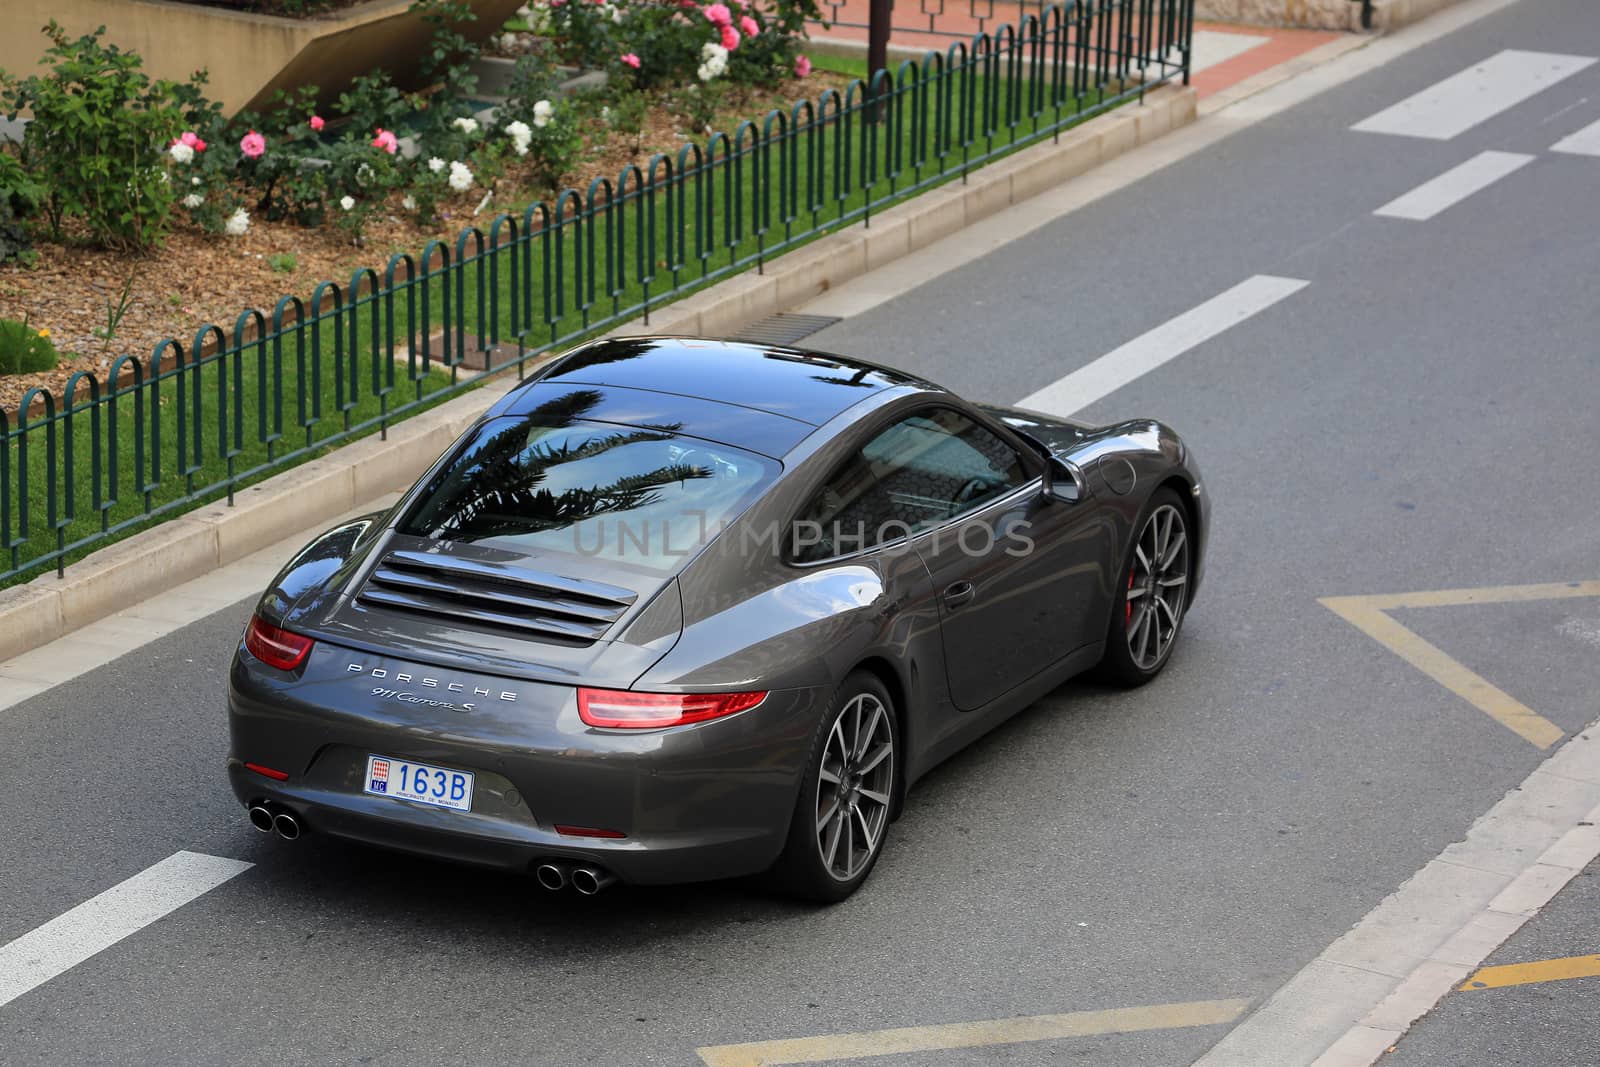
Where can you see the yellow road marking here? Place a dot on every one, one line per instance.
(1369, 614)
(1529, 973)
(1494, 594)
(973, 1034)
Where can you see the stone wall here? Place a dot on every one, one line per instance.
(1296, 14)
(1318, 14)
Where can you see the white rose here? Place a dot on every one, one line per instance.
(195, 180)
(347, 202)
(521, 136)
(466, 125)
(616, 15)
(705, 72)
(409, 203)
(193, 200)
(460, 177)
(181, 152)
(542, 112)
(238, 223)
(436, 164)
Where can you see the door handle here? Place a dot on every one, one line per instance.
(958, 594)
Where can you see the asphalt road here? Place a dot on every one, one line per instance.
(1421, 416)
(1539, 1024)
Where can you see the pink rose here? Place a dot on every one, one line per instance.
(802, 66)
(317, 123)
(718, 14)
(749, 25)
(730, 37)
(386, 141)
(631, 60)
(193, 140)
(253, 144)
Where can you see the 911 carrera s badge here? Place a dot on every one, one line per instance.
(406, 696)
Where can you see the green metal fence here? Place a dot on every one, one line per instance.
(194, 422)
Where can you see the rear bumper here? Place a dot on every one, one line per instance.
(405, 827)
(710, 800)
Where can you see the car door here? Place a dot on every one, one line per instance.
(1014, 572)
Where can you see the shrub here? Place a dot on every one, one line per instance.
(24, 350)
(359, 179)
(625, 116)
(289, 176)
(582, 31)
(100, 131)
(678, 42)
(372, 102)
(20, 197)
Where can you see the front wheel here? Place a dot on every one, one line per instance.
(1152, 594)
(842, 816)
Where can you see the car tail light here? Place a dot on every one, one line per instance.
(639, 711)
(275, 647)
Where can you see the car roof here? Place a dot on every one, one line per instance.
(765, 398)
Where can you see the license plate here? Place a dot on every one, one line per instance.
(404, 780)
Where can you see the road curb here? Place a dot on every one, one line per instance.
(317, 491)
(1348, 1006)
(1393, 14)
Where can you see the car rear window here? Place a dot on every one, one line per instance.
(644, 496)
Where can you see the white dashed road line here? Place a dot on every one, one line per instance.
(1475, 95)
(101, 921)
(1454, 186)
(1161, 345)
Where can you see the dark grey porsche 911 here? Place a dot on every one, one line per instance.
(678, 610)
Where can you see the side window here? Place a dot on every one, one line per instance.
(923, 470)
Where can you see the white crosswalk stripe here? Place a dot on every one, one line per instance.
(101, 921)
(1161, 345)
(1454, 186)
(1586, 142)
(1475, 95)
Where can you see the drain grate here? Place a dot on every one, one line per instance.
(784, 328)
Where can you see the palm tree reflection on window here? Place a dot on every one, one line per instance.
(500, 485)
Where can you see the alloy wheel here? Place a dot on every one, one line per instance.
(1157, 583)
(854, 785)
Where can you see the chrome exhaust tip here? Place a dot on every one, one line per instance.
(553, 876)
(287, 825)
(261, 818)
(591, 880)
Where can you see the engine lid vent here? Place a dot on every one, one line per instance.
(545, 606)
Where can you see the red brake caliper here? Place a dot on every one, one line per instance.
(1128, 604)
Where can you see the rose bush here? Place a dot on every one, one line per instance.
(122, 154)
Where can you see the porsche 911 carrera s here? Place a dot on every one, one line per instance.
(677, 609)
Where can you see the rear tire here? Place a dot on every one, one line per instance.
(1152, 594)
(842, 815)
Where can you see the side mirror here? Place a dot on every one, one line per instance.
(1063, 481)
